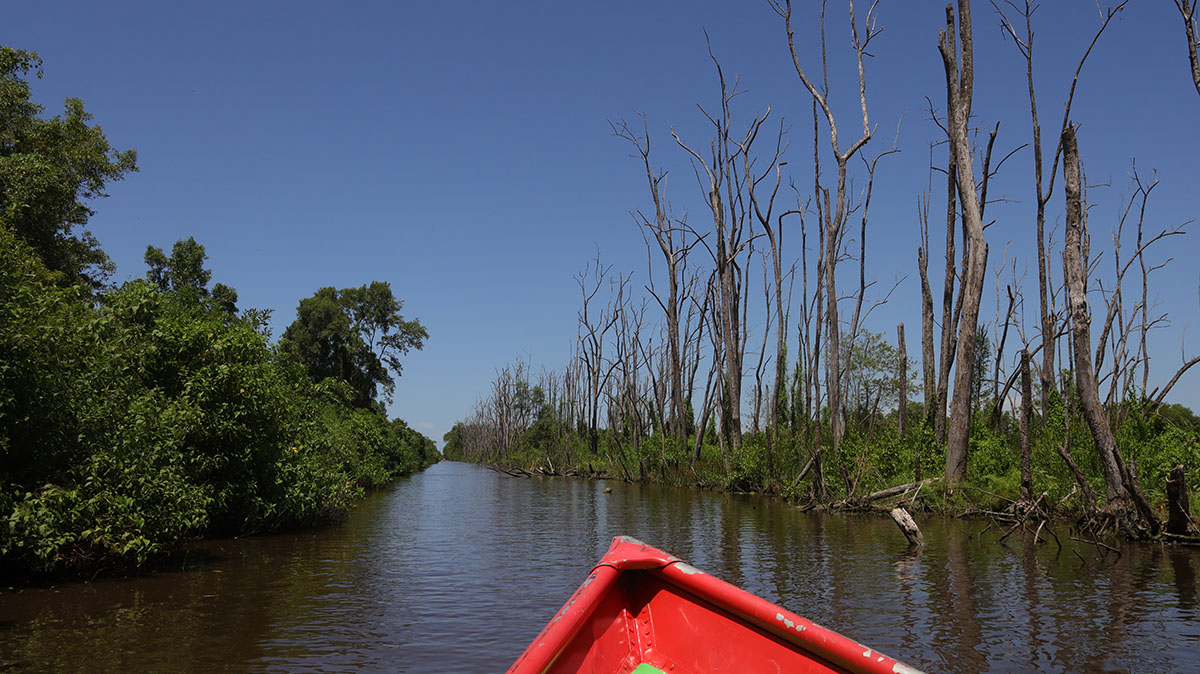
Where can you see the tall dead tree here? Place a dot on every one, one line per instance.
(928, 366)
(902, 404)
(1118, 478)
(594, 324)
(949, 316)
(1026, 419)
(1047, 312)
(723, 179)
(835, 213)
(671, 239)
(959, 63)
(763, 208)
(1188, 12)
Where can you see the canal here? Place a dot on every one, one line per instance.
(457, 568)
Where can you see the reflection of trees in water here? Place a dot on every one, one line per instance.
(1184, 572)
(951, 603)
(186, 621)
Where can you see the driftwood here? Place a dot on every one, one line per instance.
(511, 472)
(908, 527)
(1097, 544)
(895, 491)
(1183, 540)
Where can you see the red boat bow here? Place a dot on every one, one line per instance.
(642, 607)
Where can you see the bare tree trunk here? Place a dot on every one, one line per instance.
(1188, 12)
(928, 366)
(1026, 419)
(722, 173)
(1049, 318)
(1179, 519)
(908, 527)
(902, 408)
(946, 362)
(674, 252)
(960, 83)
(763, 210)
(997, 403)
(836, 214)
(1081, 321)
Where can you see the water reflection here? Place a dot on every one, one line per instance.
(457, 568)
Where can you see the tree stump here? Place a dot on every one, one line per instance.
(1179, 517)
(908, 527)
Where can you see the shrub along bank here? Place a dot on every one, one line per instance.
(146, 417)
(795, 460)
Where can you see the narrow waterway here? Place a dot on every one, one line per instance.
(457, 568)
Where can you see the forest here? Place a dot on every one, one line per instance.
(136, 418)
(733, 362)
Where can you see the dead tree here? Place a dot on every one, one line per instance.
(997, 399)
(1188, 12)
(1179, 519)
(671, 238)
(757, 421)
(1024, 43)
(928, 366)
(594, 325)
(835, 214)
(959, 63)
(723, 181)
(1026, 422)
(763, 209)
(712, 386)
(902, 407)
(1117, 328)
(1119, 480)
(1081, 321)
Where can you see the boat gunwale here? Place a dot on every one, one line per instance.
(629, 554)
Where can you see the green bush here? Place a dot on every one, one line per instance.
(153, 418)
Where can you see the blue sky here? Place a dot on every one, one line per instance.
(461, 151)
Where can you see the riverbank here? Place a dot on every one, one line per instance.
(974, 499)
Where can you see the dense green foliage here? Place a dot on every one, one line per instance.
(49, 169)
(136, 418)
(354, 335)
(154, 418)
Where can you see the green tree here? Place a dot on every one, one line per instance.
(50, 169)
(355, 335)
(184, 275)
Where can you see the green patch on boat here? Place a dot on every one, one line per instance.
(647, 669)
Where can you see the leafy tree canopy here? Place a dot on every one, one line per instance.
(356, 335)
(49, 170)
(184, 275)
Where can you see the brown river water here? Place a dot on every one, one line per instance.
(457, 568)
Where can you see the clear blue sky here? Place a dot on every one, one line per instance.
(461, 150)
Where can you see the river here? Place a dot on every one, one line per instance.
(455, 569)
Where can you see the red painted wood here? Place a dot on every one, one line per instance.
(642, 605)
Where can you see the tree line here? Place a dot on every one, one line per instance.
(136, 417)
(669, 381)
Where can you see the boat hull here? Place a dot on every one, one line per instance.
(642, 609)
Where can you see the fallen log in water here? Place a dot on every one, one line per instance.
(511, 472)
(908, 527)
